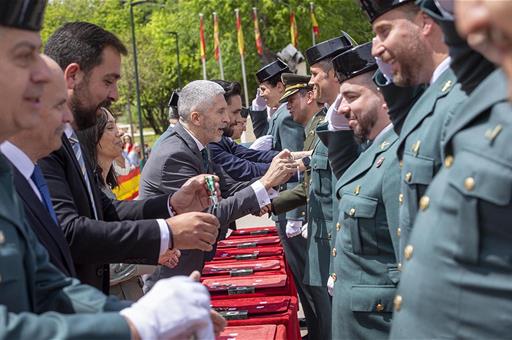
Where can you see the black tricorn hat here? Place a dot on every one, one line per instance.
(173, 101)
(22, 14)
(354, 62)
(271, 70)
(375, 8)
(328, 48)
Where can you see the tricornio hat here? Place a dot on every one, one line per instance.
(354, 62)
(22, 14)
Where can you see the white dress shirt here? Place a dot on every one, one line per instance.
(259, 190)
(443, 66)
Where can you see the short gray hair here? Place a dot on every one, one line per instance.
(197, 96)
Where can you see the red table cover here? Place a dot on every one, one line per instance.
(247, 242)
(226, 267)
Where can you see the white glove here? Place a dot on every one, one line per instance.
(258, 103)
(176, 308)
(330, 286)
(336, 121)
(304, 231)
(386, 70)
(293, 228)
(264, 143)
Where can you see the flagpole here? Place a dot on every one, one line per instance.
(217, 43)
(313, 37)
(203, 46)
(241, 49)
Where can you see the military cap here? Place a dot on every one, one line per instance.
(293, 83)
(22, 14)
(273, 69)
(173, 101)
(375, 8)
(356, 61)
(328, 48)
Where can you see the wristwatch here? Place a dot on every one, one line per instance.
(306, 160)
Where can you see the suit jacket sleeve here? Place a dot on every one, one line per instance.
(236, 165)
(259, 122)
(92, 241)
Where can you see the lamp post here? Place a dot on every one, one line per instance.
(177, 56)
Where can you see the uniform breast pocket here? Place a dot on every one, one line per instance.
(480, 198)
(417, 174)
(359, 213)
(321, 178)
(10, 263)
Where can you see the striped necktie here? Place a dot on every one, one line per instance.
(38, 179)
(206, 159)
(77, 150)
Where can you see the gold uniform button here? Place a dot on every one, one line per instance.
(352, 211)
(469, 183)
(379, 308)
(333, 252)
(397, 302)
(303, 213)
(401, 198)
(357, 189)
(338, 227)
(2, 238)
(408, 176)
(401, 163)
(448, 161)
(333, 275)
(398, 232)
(424, 202)
(399, 266)
(408, 252)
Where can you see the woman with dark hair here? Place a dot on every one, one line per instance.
(102, 144)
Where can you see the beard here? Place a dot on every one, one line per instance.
(409, 58)
(229, 130)
(85, 116)
(365, 124)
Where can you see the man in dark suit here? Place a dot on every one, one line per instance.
(203, 117)
(98, 229)
(239, 162)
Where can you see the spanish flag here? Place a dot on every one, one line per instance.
(293, 30)
(239, 32)
(314, 23)
(257, 35)
(201, 36)
(216, 41)
(128, 185)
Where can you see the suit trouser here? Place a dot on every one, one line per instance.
(295, 249)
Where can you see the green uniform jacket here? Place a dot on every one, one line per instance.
(287, 134)
(365, 255)
(419, 147)
(36, 300)
(456, 281)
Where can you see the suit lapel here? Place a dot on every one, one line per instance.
(425, 105)
(71, 155)
(37, 209)
(191, 144)
(485, 95)
(367, 158)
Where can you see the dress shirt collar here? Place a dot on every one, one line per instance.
(18, 158)
(200, 146)
(68, 130)
(382, 132)
(445, 64)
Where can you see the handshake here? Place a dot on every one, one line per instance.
(283, 167)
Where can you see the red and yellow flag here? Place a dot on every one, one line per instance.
(257, 35)
(216, 41)
(239, 32)
(293, 30)
(314, 23)
(201, 36)
(128, 185)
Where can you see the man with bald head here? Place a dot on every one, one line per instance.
(24, 149)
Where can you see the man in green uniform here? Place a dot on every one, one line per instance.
(456, 280)
(305, 110)
(37, 300)
(412, 43)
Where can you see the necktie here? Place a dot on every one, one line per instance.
(38, 179)
(206, 159)
(75, 144)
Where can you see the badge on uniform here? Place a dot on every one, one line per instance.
(379, 162)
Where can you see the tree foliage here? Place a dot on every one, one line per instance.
(156, 47)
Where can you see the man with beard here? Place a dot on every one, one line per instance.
(411, 42)
(36, 299)
(461, 238)
(239, 162)
(101, 231)
(184, 154)
(365, 253)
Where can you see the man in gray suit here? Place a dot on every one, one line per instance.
(182, 154)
